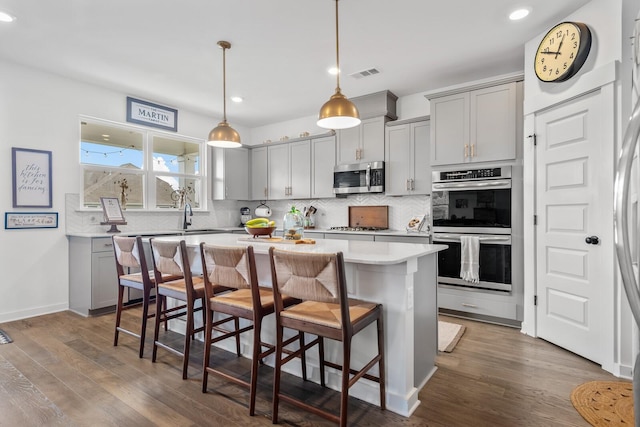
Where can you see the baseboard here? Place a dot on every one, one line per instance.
(38, 311)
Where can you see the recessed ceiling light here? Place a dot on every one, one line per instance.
(237, 99)
(333, 71)
(519, 14)
(5, 17)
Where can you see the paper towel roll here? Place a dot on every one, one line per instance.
(263, 211)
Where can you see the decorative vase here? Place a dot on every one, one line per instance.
(293, 225)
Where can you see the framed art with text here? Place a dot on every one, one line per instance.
(25, 220)
(150, 114)
(31, 178)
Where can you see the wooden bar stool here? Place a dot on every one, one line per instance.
(325, 311)
(171, 258)
(233, 268)
(130, 255)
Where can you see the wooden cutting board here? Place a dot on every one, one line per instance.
(369, 216)
(277, 240)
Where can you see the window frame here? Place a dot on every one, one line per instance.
(149, 199)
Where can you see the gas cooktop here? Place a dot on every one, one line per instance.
(346, 228)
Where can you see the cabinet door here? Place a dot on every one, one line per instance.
(372, 140)
(348, 144)
(236, 175)
(104, 285)
(278, 170)
(398, 160)
(323, 161)
(450, 129)
(420, 137)
(492, 127)
(230, 180)
(259, 176)
(300, 170)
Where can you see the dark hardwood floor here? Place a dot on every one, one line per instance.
(62, 369)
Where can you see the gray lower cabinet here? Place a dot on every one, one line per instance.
(93, 285)
(418, 238)
(349, 236)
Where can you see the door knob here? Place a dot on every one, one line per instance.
(592, 240)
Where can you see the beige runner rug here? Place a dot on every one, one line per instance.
(448, 335)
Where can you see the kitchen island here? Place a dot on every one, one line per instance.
(400, 276)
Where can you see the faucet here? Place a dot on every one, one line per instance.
(187, 222)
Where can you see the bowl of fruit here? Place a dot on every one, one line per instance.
(260, 227)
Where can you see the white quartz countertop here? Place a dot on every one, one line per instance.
(354, 251)
(309, 232)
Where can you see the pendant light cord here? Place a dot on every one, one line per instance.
(337, 51)
(224, 84)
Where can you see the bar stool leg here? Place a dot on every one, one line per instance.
(257, 349)
(276, 374)
(381, 367)
(207, 350)
(118, 314)
(344, 394)
(145, 315)
(321, 358)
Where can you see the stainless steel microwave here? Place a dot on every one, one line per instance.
(354, 178)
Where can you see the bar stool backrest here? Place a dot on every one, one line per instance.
(128, 252)
(167, 258)
(226, 266)
(309, 276)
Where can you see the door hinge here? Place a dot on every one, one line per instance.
(535, 300)
(535, 139)
(535, 220)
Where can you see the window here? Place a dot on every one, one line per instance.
(153, 170)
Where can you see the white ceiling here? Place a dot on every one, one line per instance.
(165, 50)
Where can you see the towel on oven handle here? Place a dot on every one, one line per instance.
(469, 258)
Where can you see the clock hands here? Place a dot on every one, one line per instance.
(556, 53)
(559, 47)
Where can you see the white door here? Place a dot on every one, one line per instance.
(574, 278)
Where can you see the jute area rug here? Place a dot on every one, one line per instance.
(605, 403)
(448, 335)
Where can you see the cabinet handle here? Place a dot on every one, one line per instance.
(464, 304)
(108, 245)
(466, 150)
(265, 191)
(473, 150)
(407, 186)
(413, 184)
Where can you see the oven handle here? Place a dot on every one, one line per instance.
(473, 185)
(483, 238)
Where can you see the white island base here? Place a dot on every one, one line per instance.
(400, 276)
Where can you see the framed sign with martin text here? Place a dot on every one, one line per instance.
(150, 114)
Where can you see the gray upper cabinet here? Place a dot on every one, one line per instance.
(407, 165)
(363, 143)
(230, 174)
(288, 166)
(323, 161)
(259, 174)
(475, 126)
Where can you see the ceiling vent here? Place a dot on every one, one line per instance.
(365, 73)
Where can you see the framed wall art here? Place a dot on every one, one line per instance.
(26, 220)
(31, 178)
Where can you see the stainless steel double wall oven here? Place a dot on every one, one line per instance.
(475, 202)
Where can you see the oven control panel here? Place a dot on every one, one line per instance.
(472, 174)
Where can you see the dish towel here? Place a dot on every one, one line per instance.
(469, 254)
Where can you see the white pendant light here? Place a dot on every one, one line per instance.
(338, 112)
(223, 135)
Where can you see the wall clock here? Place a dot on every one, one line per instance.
(562, 51)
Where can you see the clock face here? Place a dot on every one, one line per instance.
(562, 51)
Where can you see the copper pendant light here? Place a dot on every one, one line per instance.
(338, 112)
(224, 135)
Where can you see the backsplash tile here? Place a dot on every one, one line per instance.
(331, 213)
